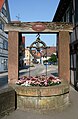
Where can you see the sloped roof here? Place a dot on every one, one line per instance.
(62, 7)
(50, 51)
(1, 4)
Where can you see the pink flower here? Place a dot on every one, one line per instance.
(39, 80)
(55, 81)
(45, 83)
(58, 80)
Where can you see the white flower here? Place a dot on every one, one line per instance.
(26, 83)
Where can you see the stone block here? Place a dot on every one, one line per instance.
(7, 101)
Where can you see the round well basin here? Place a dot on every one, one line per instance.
(50, 97)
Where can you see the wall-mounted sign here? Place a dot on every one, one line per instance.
(38, 27)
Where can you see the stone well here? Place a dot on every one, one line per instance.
(51, 97)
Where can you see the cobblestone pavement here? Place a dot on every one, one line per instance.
(70, 112)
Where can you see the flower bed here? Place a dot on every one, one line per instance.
(39, 81)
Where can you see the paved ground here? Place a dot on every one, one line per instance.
(37, 70)
(70, 112)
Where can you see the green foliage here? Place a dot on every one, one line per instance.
(53, 58)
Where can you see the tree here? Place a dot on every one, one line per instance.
(53, 58)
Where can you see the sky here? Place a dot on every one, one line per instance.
(33, 11)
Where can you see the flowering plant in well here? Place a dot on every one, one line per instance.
(39, 81)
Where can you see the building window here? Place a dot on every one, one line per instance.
(4, 11)
(67, 16)
(1, 46)
(76, 11)
(1, 25)
(5, 45)
(70, 12)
